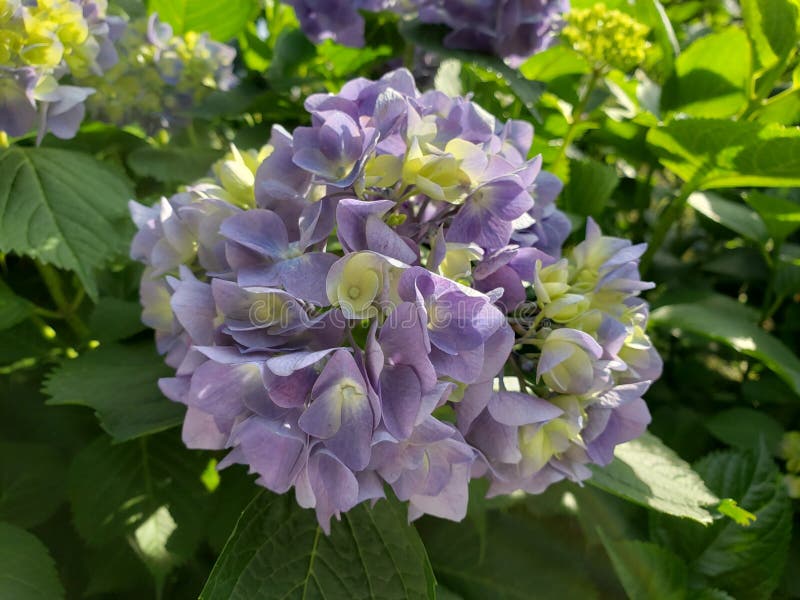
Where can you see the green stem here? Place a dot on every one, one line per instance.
(52, 281)
(667, 219)
(577, 118)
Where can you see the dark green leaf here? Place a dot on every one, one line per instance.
(727, 326)
(590, 185)
(646, 472)
(222, 19)
(733, 215)
(172, 164)
(745, 428)
(60, 207)
(26, 570)
(647, 570)
(429, 37)
(114, 319)
(746, 562)
(13, 309)
(278, 551)
(148, 490)
(514, 558)
(32, 482)
(120, 383)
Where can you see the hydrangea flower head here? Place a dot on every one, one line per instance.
(160, 76)
(323, 320)
(42, 42)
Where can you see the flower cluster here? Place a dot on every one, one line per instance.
(511, 29)
(160, 76)
(607, 37)
(41, 43)
(349, 318)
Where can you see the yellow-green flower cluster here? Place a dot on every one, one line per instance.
(607, 37)
(41, 42)
(160, 76)
(790, 451)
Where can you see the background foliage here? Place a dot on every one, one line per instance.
(695, 151)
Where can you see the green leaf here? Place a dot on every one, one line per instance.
(745, 428)
(711, 76)
(32, 482)
(772, 28)
(172, 164)
(60, 207)
(730, 508)
(727, 326)
(278, 550)
(555, 63)
(429, 37)
(781, 215)
(120, 383)
(745, 562)
(589, 188)
(222, 19)
(652, 14)
(720, 153)
(508, 557)
(148, 490)
(647, 472)
(26, 570)
(113, 319)
(733, 215)
(647, 570)
(13, 309)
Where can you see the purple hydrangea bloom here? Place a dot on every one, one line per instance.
(511, 29)
(393, 267)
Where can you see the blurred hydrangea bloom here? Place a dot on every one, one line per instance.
(42, 43)
(160, 76)
(386, 271)
(607, 37)
(511, 29)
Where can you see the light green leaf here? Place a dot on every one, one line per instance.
(60, 207)
(745, 428)
(13, 309)
(772, 28)
(590, 185)
(172, 164)
(448, 77)
(278, 551)
(26, 570)
(746, 562)
(716, 153)
(733, 215)
(222, 19)
(647, 472)
(783, 108)
(781, 215)
(120, 383)
(32, 482)
(711, 76)
(554, 63)
(728, 327)
(730, 508)
(647, 570)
